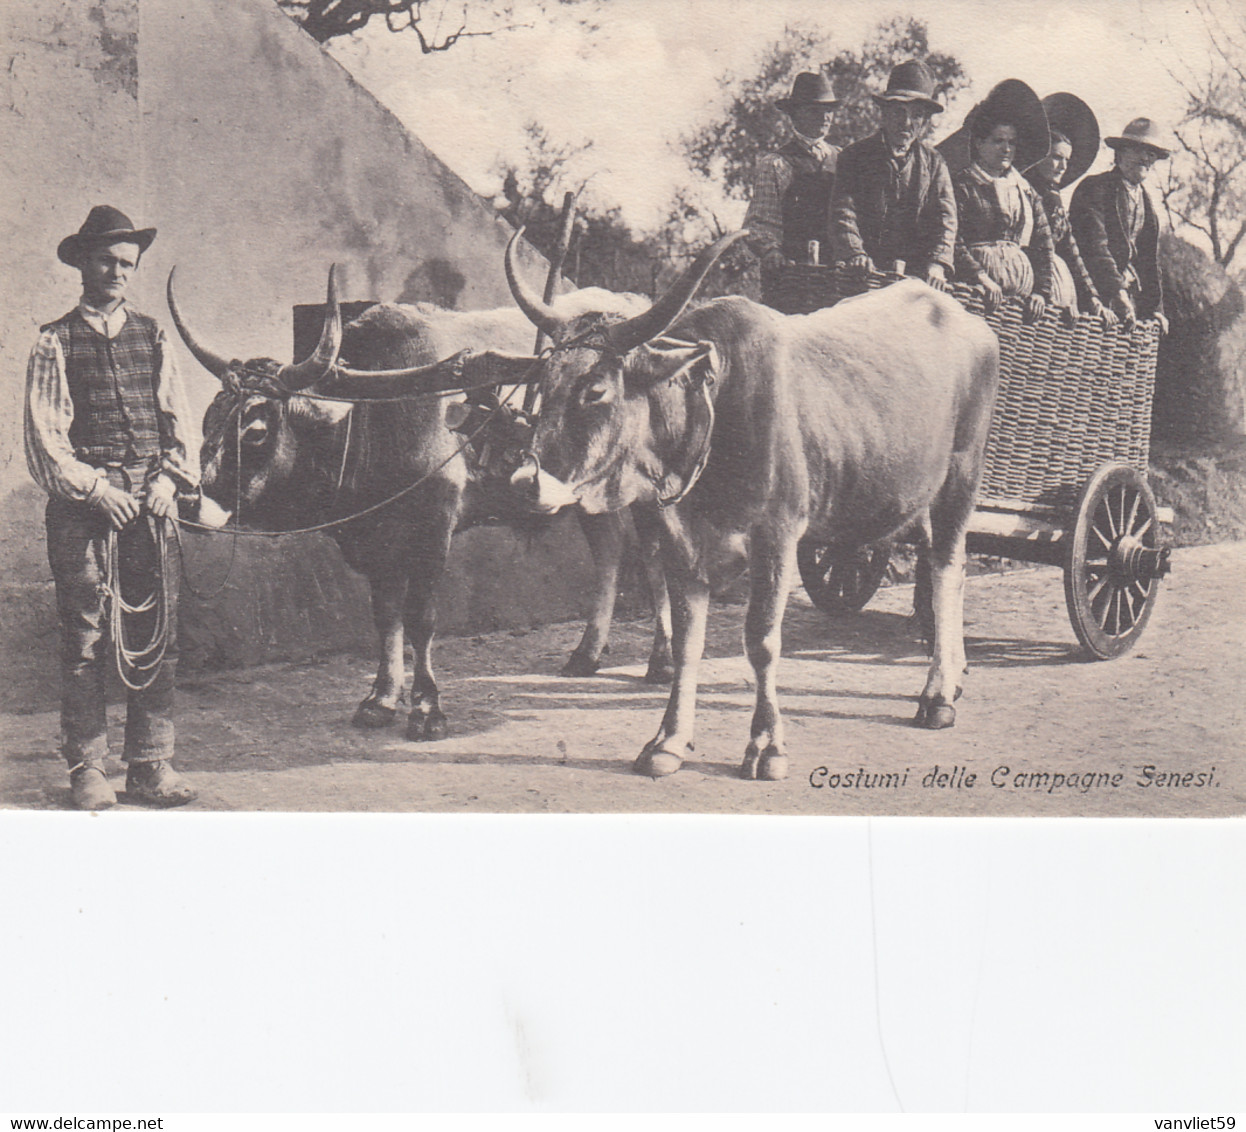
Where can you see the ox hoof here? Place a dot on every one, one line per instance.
(657, 763)
(372, 714)
(660, 671)
(579, 664)
(769, 765)
(426, 728)
(935, 716)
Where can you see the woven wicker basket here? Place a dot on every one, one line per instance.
(1071, 397)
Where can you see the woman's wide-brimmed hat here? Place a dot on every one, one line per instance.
(812, 88)
(1145, 134)
(1069, 115)
(103, 225)
(1015, 103)
(910, 82)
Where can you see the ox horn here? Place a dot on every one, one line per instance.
(624, 336)
(308, 372)
(213, 363)
(539, 313)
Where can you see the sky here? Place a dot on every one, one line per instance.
(651, 74)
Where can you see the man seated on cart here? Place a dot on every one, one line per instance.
(893, 198)
(792, 186)
(1117, 228)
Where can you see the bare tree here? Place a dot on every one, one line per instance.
(1206, 186)
(437, 24)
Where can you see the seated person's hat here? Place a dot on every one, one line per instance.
(910, 82)
(1069, 115)
(1010, 101)
(812, 88)
(1144, 133)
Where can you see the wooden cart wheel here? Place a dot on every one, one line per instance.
(1114, 563)
(839, 581)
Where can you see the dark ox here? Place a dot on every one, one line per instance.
(743, 431)
(285, 460)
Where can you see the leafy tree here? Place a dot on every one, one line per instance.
(603, 252)
(723, 153)
(726, 149)
(436, 24)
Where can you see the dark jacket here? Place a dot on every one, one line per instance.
(982, 221)
(1065, 243)
(889, 212)
(1100, 205)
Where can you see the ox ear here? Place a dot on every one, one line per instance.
(675, 360)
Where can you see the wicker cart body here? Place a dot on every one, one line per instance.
(1066, 462)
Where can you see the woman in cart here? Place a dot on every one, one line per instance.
(1074, 144)
(1003, 242)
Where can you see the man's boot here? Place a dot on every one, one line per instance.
(90, 787)
(157, 784)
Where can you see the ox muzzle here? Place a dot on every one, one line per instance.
(539, 490)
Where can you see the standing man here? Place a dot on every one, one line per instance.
(107, 439)
(792, 186)
(1117, 228)
(893, 196)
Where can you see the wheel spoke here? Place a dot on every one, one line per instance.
(1133, 511)
(1095, 590)
(1099, 605)
(1107, 510)
(1128, 608)
(1146, 526)
(1109, 609)
(1107, 542)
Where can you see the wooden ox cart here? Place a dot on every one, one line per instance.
(1066, 465)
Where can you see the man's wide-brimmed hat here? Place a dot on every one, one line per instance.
(1011, 102)
(1145, 134)
(811, 88)
(1069, 115)
(104, 225)
(910, 82)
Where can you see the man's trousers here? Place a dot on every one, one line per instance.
(77, 550)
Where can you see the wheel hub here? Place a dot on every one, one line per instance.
(1130, 558)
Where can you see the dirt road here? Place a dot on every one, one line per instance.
(1041, 730)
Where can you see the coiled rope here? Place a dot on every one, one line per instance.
(138, 667)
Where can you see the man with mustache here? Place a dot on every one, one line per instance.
(893, 198)
(1117, 228)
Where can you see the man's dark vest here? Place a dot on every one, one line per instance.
(112, 385)
(805, 206)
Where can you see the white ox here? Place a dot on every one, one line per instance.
(742, 430)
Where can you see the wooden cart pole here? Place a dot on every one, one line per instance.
(551, 281)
